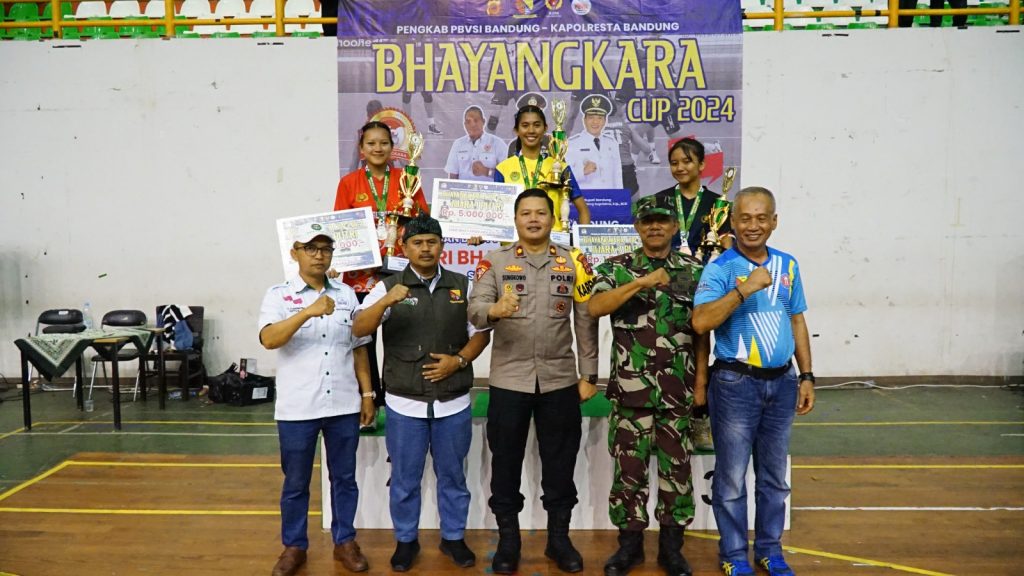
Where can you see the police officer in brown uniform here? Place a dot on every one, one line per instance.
(533, 294)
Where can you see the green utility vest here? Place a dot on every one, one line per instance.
(422, 324)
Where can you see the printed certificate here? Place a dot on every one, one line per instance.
(355, 239)
(598, 242)
(467, 208)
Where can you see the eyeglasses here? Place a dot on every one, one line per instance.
(311, 250)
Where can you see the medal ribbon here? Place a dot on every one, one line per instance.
(685, 223)
(531, 180)
(380, 199)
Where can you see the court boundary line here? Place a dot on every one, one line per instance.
(918, 423)
(145, 512)
(908, 508)
(833, 556)
(33, 480)
(122, 512)
(907, 466)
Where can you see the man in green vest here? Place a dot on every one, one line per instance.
(429, 346)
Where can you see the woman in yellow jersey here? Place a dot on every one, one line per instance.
(532, 165)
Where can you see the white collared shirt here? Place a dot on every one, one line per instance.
(488, 149)
(583, 149)
(316, 375)
(407, 406)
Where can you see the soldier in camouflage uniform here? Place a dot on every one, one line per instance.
(658, 366)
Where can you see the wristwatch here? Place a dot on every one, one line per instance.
(462, 361)
(807, 376)
(591, 379)
(370, 394)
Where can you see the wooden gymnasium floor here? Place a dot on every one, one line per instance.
(918, 481)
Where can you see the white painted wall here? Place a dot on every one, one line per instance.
(163, 165)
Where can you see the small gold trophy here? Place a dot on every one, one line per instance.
(558, 146)
(711, 247)
(410, 184)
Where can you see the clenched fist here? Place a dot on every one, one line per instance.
(505, 307)
(324, 306)
(657, 278)
(759, 279)
(397, 293)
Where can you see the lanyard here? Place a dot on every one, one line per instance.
(527, 177)
(380, 199)
(688, 221)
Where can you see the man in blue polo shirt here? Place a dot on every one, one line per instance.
(752, 297)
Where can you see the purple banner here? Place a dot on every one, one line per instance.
(458, 70)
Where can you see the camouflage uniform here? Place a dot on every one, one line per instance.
(651, 389)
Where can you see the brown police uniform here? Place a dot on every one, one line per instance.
(533, 369)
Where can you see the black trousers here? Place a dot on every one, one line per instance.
(936, 21)
(329, 9)
(557, 418)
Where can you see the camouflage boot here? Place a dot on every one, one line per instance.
(670, 556)
(560, 548)
(506, 557)
(629, 555)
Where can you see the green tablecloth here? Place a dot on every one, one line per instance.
(53, 354)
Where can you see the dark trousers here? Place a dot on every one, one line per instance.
(298, 450)
(371, 350)
(329, 9)
(936, 21)
(557, 418)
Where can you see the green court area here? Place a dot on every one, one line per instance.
(942, 421)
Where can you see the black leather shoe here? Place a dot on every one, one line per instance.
(458, 552)
(405, 553)
(629, 555)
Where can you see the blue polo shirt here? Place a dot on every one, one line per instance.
(759, 332)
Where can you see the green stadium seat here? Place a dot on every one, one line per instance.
(225, 35)
(305, 34)
(99, 32)
(23, 12)
(264, 34)
(65, 14)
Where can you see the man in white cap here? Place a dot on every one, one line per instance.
(594, 155)
(323, 386)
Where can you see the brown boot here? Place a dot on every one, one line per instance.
(289, 562)
(351, 557)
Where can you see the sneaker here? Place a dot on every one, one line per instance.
(700, 434)
(737, 568)
(434, 130)
(653, 157)
(775, 565)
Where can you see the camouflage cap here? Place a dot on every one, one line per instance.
(654, 205)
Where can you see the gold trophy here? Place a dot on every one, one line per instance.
(409, 185)
(558, 146)
(711, 247)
